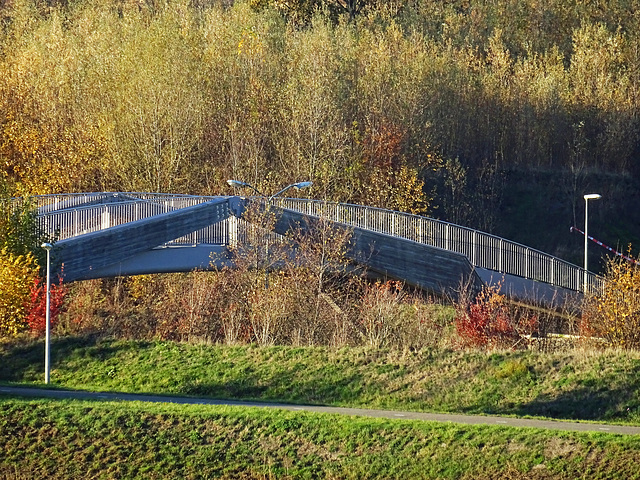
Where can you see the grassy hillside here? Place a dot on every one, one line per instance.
(72, 439)
(571, 385)
(67, 439)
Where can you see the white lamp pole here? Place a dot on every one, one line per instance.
(297, 185)
(47, 350)
(590, 196)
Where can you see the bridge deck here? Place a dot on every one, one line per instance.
(104, 234)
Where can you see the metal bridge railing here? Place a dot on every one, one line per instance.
(70, 221)
(53, 202)
(66, 215)
(482, 249)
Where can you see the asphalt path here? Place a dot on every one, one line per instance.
(430, 417)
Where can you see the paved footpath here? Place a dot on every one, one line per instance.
(431, 417)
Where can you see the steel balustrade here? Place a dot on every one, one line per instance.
(73, 221)
(482, 249)
(74, 214)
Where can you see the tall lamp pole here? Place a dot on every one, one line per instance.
(47, 349)
(589, 196)
(297, 185)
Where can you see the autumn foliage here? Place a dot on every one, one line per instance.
(489, 323)
(613, 314)
(21, 291)
(37, 307)
(192, 94)
(17, 273)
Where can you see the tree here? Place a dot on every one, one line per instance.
(20, 233)
(301, 11)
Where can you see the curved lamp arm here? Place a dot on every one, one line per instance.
(297, 185)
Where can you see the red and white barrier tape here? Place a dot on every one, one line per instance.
(605, 246)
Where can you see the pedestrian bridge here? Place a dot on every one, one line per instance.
(111, 234)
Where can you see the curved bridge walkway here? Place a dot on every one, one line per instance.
(110, 234)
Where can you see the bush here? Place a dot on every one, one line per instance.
(390, 316)
(36, 317)
(614, 314)
(489, 322)
(21, 300)
(17, 274)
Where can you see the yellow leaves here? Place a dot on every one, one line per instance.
(250, 44)
(615, 313)
(41, 158)
(138, 286)
(17, 274)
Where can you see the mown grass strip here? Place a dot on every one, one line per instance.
(72, 439)
(576, 385)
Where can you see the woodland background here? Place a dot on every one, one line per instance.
(494, 114)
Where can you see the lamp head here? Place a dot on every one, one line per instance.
(236, 183)
(301, 185)
(47, 246)
(592, 196)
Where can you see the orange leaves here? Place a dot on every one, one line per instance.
(490, 323)
(388, 179)
(383, 147)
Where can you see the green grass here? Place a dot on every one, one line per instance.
(576, 385)
(74, 439)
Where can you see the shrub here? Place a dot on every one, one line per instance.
(391, 316)
(36, 310)
(488, 322)
(17, 274)
(379, 314)
(614, 313)
(20, 257)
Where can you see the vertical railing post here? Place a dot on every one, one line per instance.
(578, 277)
(446, 237)
(104, 219)
(474, 246)
(233, 231)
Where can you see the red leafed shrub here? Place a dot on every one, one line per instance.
(37, 307)
(488, 322)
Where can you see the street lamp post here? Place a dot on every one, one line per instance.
(589, 196)
(47, 349)
(297, 185)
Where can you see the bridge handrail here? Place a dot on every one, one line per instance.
(72, 221)
(483, 250)
(77, 199)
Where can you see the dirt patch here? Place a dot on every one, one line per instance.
(559, 447)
